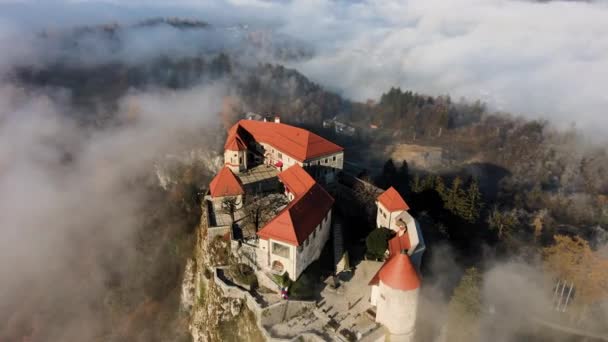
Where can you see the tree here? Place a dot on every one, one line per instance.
(230, 205)
(471, 207)
(389, 175)
(465, 307)
(571, 259)
(440, 188)
(454, 196)
(503, 222)
(416, 184)
(377, 242)
(403, 177)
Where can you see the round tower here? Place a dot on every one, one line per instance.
(397, 305)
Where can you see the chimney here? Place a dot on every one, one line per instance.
(277, 119)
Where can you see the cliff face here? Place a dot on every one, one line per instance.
(213, 316)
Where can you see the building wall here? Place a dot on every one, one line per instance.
(385, 218)
(235, 160)
(311, 249)
(397, 311)
(374, 295)
(325, 168)
(266, 256)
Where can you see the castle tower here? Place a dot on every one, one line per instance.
(397, 300)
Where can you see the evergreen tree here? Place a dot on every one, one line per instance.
(416, 184)
(471, 206)
(403, 177)
(454, 196)
(428, 183)
(440, 188)
(389, 175)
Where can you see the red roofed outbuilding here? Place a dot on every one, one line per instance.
(225, 184)
(390, 205)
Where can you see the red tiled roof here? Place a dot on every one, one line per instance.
(298, 143)
(225, 183)
(392, 201)
(234, 143)
(296, 180)
(398, 243)
(398, 273)
(299, 219)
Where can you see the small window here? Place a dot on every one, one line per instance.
(241, 160)
(314, 233)
(326, 161)
(235, 154)
(334, 158)
(280, 155)
(280, 250)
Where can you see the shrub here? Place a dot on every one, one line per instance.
(377, 242)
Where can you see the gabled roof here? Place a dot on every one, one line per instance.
(392, 201)
(225, 183)
(296, 180)
(235, 143)
(298, 143)
(299, 219)
(398, 273)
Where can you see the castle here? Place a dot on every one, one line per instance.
(303, 162)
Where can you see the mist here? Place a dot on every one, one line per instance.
(538, 59)
(70, 200)
(73, 199)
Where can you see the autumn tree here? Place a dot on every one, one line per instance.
(465, 307)
(572, 259)
(503, 223)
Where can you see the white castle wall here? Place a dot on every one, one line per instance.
(397, 311)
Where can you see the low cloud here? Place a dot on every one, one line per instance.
(540, 59)
(72, 199)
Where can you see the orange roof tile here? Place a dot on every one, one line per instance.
(225, 183)
(299, 219)
(296, 180)
(397, 273)
(392, 201)
(399, 243)
(298, 143)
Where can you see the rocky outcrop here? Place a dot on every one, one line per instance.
(213, 316)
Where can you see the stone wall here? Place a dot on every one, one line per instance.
(213, 232)
(268, 316)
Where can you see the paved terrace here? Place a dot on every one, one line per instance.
(342, 308)
(259, 178)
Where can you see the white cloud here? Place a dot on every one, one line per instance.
(545, 59)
